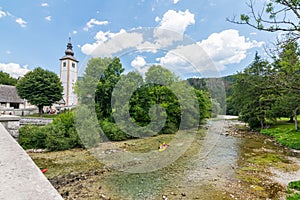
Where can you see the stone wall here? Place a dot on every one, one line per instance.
(35, 121)
(12, 124)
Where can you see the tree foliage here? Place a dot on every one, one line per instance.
(253, 93)
(128, 105)
(266, 91)
(40, 87)
(287, 79)
(6, 79)
(274, 15)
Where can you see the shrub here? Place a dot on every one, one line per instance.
(32, 137)
(58, 135)
(294, 185)
(113, 132)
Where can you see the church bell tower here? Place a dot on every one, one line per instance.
(69, 75)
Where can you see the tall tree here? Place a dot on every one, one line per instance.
(107, 81)
(98, 83)
(253, 93)
(6, 79)
(287, 65)
(40, 87)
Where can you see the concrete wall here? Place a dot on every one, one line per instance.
(12, 124)
(20, 178)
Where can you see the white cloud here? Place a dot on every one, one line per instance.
(175, 1)
(48, 18)
(140, 65)
(93, 22)
(44, 4)
(188, 59)
(147, 46)
(14, 69)
(172, 26)
(2, 13)
(228, 47)
(21, 22)
(8, 52)
(109, 43)
(177, 21)
(139, 61)
(157, 19)
(74, 32)
(212, 54)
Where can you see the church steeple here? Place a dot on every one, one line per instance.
(69, 50)
(69, 75)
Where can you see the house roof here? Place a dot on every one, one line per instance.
(8, 94)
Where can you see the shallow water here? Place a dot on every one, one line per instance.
(204, 171)
(208, 161)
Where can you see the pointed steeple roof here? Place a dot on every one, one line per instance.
(69, 51)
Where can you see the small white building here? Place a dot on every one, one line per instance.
(9, 98)
(69, 75)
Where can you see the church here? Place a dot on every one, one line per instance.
(10, 102)
(69, 76)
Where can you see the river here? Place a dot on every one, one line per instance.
(218, 165)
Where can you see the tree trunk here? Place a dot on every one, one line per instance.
(262, 123)
(295, 117)
(40, 110)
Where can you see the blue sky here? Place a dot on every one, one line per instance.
(35, 34)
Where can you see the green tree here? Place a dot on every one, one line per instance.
(105, 86)
(6, 79)
(253, 93)
(274, 15)
(287, 79)
(40, 87)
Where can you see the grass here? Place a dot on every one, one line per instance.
(294, 185)
(294, 196)
(65, 162)
(284, 134)
(266, 159)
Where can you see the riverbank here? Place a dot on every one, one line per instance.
(265, 166)
(224, 162)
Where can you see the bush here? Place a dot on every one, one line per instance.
(113, 132)
(32, 137)
(294, 185)
(169, 128)
(58, 135)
